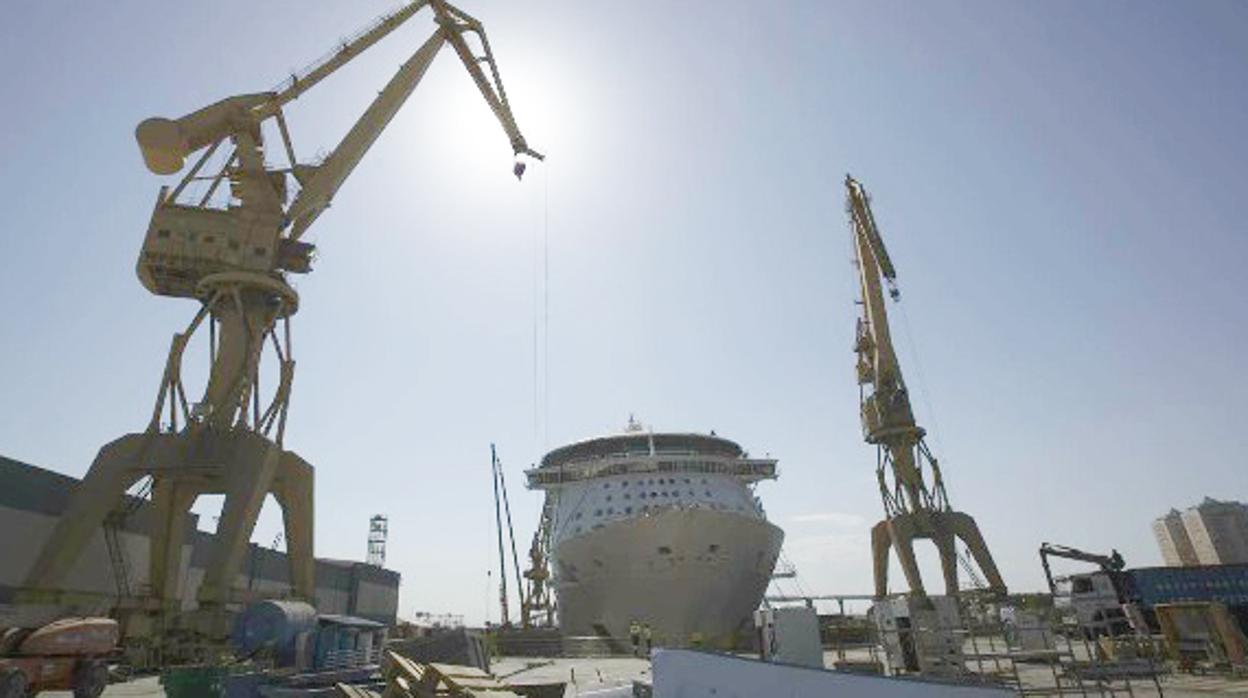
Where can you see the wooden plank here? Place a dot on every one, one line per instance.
(458, 670)
(347, 690)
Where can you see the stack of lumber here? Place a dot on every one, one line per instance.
(408, 679)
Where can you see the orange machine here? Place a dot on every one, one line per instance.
(68, 654)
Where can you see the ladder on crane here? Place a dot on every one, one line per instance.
(114, 523)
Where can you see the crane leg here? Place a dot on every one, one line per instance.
(247, 478)
(112, 473)
(945, 545)
(903, 529)
(964, 526)
(881, 542)
(172, 499)
(293, 491)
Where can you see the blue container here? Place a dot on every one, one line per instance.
(1227, 584)
(274, 625)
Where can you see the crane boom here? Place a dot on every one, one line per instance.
(304, 80)
(320, 188)
(1112, 562)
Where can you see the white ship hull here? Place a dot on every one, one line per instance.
(695, 575)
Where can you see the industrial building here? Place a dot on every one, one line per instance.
(1211, 533)
(33, 498)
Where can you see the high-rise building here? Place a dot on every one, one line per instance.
(1211, 533)
(1176, 545)
(1218, 531)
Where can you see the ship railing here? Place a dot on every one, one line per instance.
(751, 469)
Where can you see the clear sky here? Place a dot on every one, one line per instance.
(1061, 186)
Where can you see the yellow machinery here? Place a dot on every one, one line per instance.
(1202, 632)
(233, 257)
(911, 509)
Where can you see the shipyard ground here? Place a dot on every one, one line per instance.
(612, 677)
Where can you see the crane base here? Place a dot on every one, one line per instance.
(240, 464)
(899, 532)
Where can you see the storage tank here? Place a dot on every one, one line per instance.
(272, 624)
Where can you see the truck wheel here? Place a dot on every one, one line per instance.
(13, 684)
(90, 679)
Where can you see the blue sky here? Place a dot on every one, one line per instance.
(1061, 186)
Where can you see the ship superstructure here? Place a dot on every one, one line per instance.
(659, 528)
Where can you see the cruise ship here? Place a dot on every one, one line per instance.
(662, 529)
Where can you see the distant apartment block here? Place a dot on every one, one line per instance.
(1210, 533)
(1176, 546)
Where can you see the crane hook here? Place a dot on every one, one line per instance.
(518, 170)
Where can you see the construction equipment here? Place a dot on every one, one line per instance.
(1202, 634)
(1092, 602)
(911, 509)
(1112, 562)
(537, 603)
(232, 253)
(500, 486)
(68, 654)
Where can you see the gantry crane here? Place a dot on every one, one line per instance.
(911, 510)
(233, 258)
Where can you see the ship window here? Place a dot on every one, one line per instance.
(578, 514)
(628, 496)
(233, 244)
(162, 233)
(598, 512)
(610, 511)
(259, 251)
(703, 481)
(664, 550)
(606, 485)
(664, 494)
(690, 493)
(210, 239)
(608, 498)
(653, 495)
(708, 493)
(713, 548)
(628, 510)
(686, 481)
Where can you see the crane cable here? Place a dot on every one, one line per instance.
(918, 366)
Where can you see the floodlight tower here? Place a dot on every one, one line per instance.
(232, 256)
(378, 526)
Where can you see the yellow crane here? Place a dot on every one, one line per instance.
(233, 258)
(911, 510)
